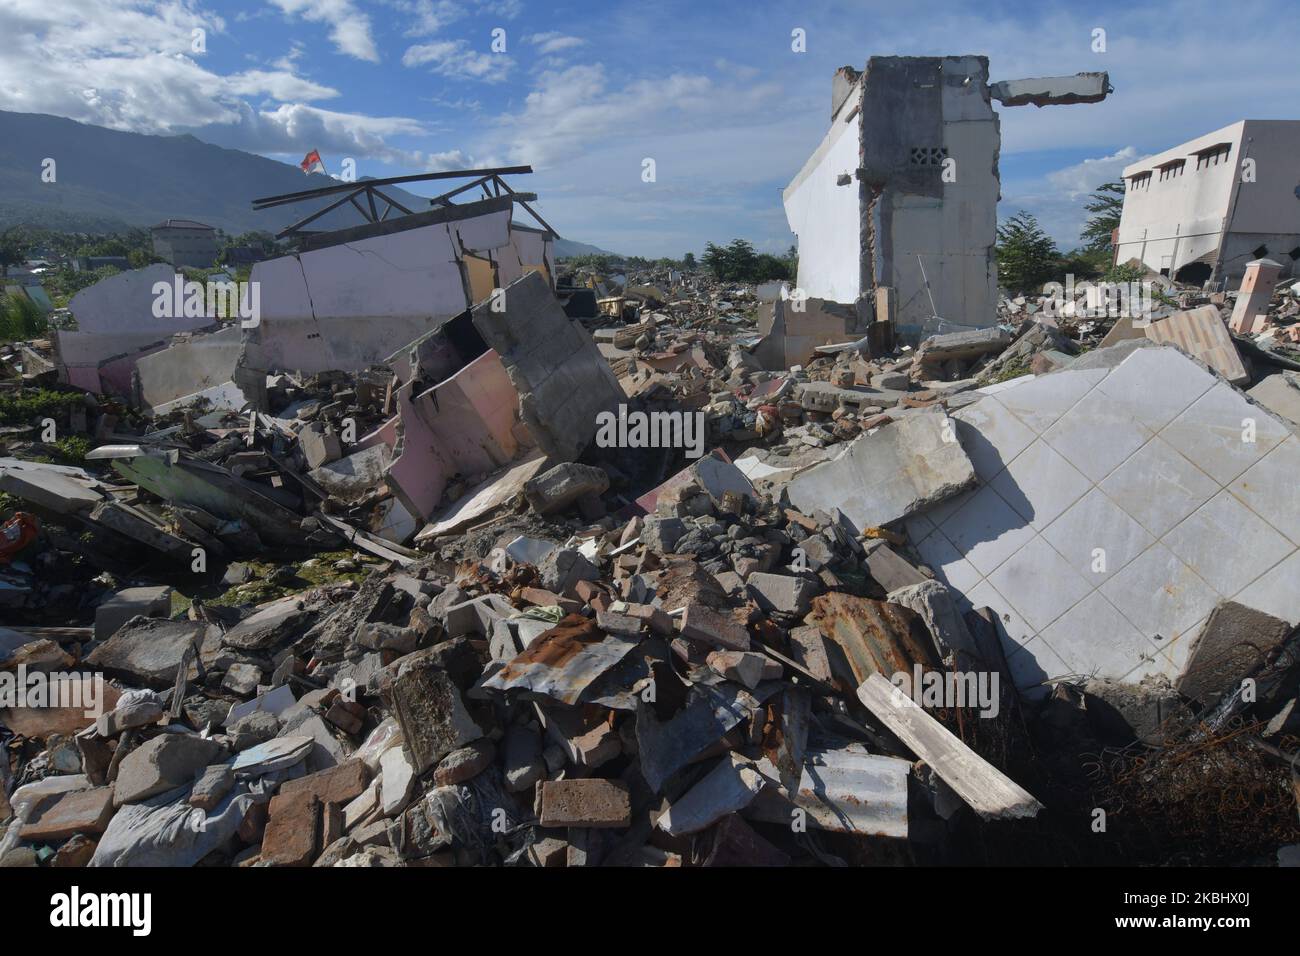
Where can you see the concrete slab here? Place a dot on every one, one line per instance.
(1154, 491)
(562, 380)
(1279, 393)
(129, 602)
(903, 467)
(1202, 333)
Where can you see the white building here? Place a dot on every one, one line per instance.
(902, 192)
(185, 243)
(1202, 210)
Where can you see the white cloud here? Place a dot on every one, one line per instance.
(1082, 179)
(428, 17)
(131, 67)
(295, 128)
(277, 84)
(554, 42)
(458, 60)
(349, 27)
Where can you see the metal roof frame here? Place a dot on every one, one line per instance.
(488, 179)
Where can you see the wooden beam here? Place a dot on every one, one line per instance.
(988, 791)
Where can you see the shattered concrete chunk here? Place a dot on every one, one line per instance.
(161, 764)
(561, 486)
(899, 469)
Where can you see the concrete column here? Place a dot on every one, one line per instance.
(1251, 312)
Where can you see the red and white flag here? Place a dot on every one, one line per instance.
(312, 162)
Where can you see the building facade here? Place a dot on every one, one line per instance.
(1200, 211)
(902, 192)
(185, 243)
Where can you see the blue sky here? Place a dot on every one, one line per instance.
(712, 91)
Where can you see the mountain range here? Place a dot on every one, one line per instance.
(106, 180)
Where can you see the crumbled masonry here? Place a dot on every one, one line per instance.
(375, 589)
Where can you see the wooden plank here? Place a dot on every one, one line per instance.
(989, 792)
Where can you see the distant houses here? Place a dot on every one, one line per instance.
(91, 263)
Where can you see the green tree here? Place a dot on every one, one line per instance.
(1027, 256)
(738, 262)
(1105, 204)
(688, 261)
(13, 250)
(263, 242)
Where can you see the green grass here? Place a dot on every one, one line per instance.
(1012, 370)
(259, 590)
(20, 319)
(30, 406)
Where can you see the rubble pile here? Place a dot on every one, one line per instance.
(657, 571)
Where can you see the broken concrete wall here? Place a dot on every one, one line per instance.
(822, 209)
(344, 306)
(1052, 90)
(115, 324)
(562, 380)
(918, 113)
(528, 250)
(927, 187)
(200, 366)
(343, 301)
(465, 425)
(793, 331)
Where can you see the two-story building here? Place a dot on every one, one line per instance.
(1200, 211)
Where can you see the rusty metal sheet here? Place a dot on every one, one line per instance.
(845, 791)
(563, 662)
(877, 637)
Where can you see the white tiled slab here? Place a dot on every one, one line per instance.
(947, 562)
(1146, 462)
(1096, 524)
(1040, 484)
(991, 436)
(1034, 664)
(1013, 629)
(1271, 487)
(1097, 434)
(987, 530)
(1214, 430)
(1160, 595)
(1044, 400)
(1039, 583)
(1158, 486)
(1093, 637)
(1277, 591)
(1227, 544)
(1156, 385)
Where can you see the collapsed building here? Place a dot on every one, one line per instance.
(901, 194)
(932, 604)
(1199, 212)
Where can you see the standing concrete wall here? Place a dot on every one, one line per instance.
(918, 112)
(825, 214)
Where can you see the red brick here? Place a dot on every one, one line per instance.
(292, 833)
(341, 784)
(585, 803)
